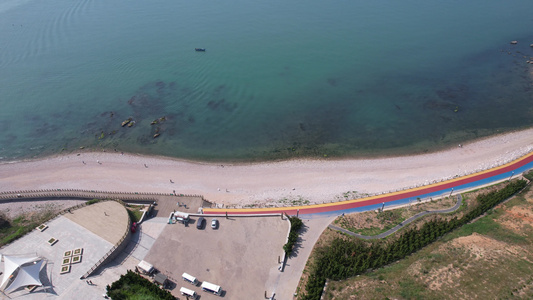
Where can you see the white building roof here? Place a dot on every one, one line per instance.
(28, 272)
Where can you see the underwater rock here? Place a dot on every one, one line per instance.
(158, 120)
(126, 122)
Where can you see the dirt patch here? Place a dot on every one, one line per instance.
(361, 220)
(446, 275)
(522, 213)
(415, 269)
(517, 218)
(481, 246)
(469, 253)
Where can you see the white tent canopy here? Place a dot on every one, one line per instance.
(25, 269)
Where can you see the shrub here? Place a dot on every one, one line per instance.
(296, 225)
(93, 201)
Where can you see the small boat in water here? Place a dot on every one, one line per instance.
(199, 49)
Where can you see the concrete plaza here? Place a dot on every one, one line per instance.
(93, 231)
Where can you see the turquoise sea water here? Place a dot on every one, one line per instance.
(279, 79)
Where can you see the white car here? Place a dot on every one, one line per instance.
(214, 223)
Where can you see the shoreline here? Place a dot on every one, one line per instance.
(312, 180)
(416, 149)
(238, 162)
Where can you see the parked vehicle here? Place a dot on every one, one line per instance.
(200, 224)
(188, 293)
(189, 278)
(181, 217)
(211, 288)
(214, 223)
(133, 227)
(145, 267)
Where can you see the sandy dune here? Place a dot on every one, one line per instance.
(239, 184)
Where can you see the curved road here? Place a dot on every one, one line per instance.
(401, 225)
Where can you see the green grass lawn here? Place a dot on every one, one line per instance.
(134, 213)
(18, 227)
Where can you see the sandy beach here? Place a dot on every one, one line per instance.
(274, 182)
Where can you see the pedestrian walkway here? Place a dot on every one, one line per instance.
(435, 190)
(100, 218)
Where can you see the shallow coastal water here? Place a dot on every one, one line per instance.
(277, 79)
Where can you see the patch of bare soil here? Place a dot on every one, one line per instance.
(446, 275)
(487, 248)
(361, 220)
(468, 250)
(516, 218)
(358, 285)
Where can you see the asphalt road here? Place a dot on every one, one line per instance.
(401, 225)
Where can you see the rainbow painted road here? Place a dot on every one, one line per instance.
(471, 181)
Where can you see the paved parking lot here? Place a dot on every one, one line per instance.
(240, 256)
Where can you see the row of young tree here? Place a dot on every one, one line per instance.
(345, 258)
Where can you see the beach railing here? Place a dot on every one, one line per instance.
(89, 194)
